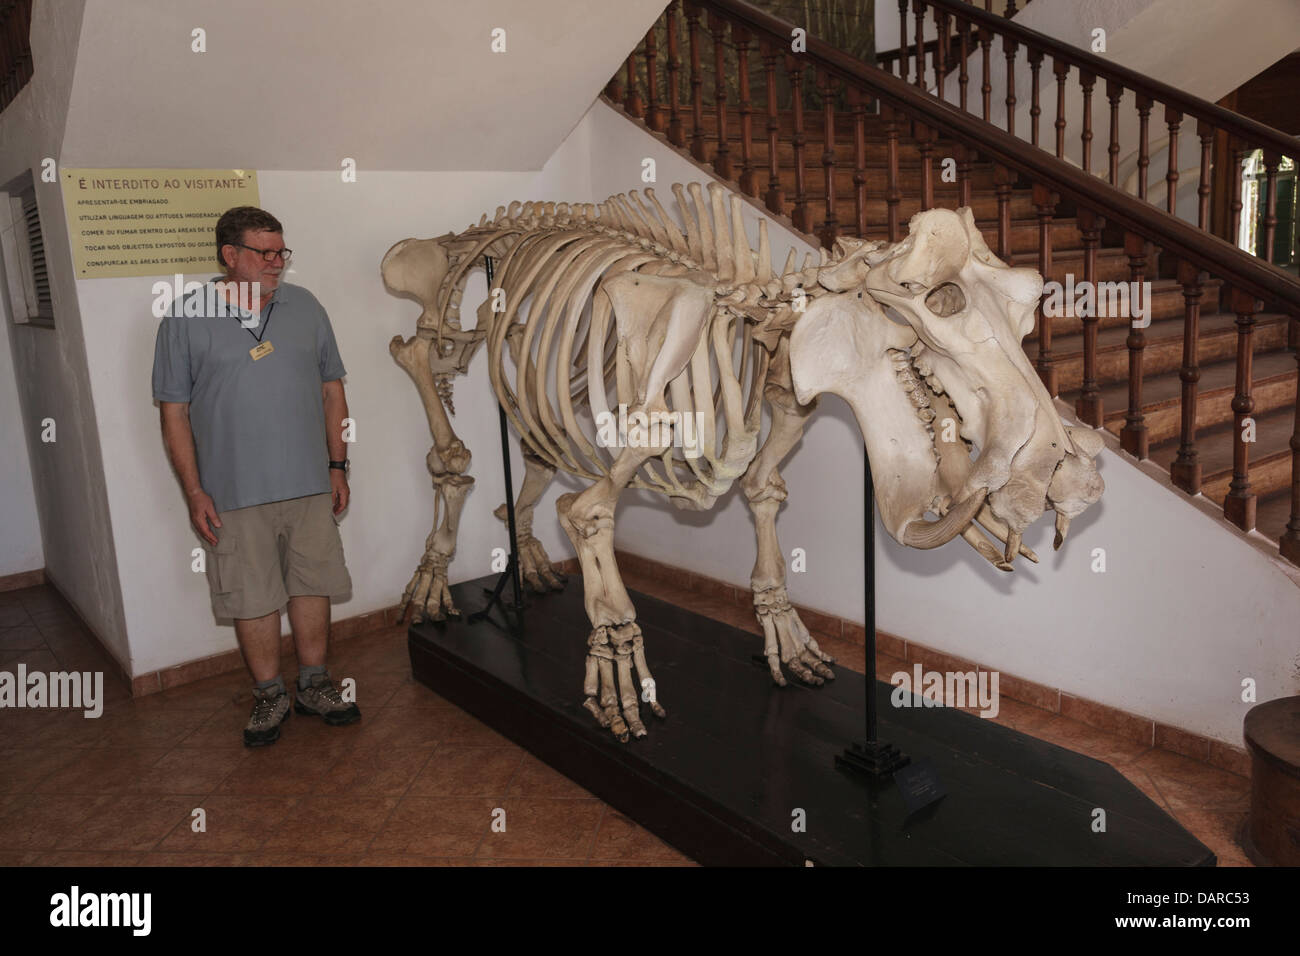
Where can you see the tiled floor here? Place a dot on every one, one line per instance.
(416, 782)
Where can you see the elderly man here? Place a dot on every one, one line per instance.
(252, 417)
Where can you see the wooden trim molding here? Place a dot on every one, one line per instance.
(23, 579)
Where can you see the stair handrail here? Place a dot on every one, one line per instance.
(1248, 130)
(1166, 231)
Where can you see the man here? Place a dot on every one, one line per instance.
(252, 417)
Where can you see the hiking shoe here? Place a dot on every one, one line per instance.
(322, 699)
(270, 710)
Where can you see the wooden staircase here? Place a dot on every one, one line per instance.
(1220, 415)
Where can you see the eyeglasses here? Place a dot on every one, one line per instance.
(268, 255)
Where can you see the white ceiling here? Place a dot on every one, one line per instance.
(301, 84)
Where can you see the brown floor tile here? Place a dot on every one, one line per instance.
(21, 769)
(461, 728)
(50, 728)
(85, 858)
(132, 727)
(193, 771)
(299, 858)
(413, 695)
(623, 841)
(455, 770)
(41, 821)
(1090, 741)
(103, 771)
(1220, 830)
(1138, 777)
(536, 779)
(234, 824)
(331, 824)
(23, 637)
(279, 770)
(196, 859)
(1021, 716)
(375, 770)
(1189, 785)
(387, 858)
(13, 614)
(435, 826)
(127, 822)
(20, 858)
(406, 728)
(544, 828)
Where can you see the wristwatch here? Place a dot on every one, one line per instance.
(340, 465)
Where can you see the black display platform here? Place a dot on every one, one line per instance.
(722, 778)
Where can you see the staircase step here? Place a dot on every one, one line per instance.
(1112, 266)
(1167, 302)
(1164, 347)
(984, 206)
(1269, 460)
(1024, 236)
(1275, 387)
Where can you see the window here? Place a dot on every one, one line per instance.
(24, 256)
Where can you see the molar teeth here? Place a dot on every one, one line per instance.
(926, 414)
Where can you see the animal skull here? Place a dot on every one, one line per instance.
(958, 355)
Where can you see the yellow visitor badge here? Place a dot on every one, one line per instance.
(263, 348)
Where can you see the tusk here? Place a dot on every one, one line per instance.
(996, 527)
(933, 534)
(985, 548)
(1013, 546)
(1062, 528)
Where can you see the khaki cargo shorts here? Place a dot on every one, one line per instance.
(268, 553)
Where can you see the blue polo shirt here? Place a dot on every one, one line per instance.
(259, 424)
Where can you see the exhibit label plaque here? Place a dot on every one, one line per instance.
(148, 222)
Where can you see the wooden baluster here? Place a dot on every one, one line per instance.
(919, 9)
(698, 149)
(654, 111)
(1035, 110)
(1271, 160)
(722, 153)
(1009, 48)
(1133, 436)
(1062, 70)
(1185, 470)
(940, 51)
(925, 146)
(1002, 179)
(894, 195)
(1113, 93)
(775, 197)
(831, 225)
(986, 88)
(1173, 118)
(1089, 405)
(614, 88)
(1087, 80)
(676, 133)
(963, 175)
(748, 175)
(802, 215)
(1236, 154)
(1045, 203)
(858, 105)
(902, 39)
(1010, 10)
(1144, 150)
(1289, 547)
(633, 102)
(1206, 132)
(1239, 505)
(963, 75)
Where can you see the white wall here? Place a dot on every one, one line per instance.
(50, 365)
(339, 233)
(1185, 610)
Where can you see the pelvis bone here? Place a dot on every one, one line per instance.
(965, 381)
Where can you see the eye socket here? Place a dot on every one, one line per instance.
(946, 300)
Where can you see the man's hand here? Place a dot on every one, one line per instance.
(339, 489)
(202, 510)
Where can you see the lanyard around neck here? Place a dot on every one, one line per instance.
(265, 324)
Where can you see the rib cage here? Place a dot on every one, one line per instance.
(550, 311)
